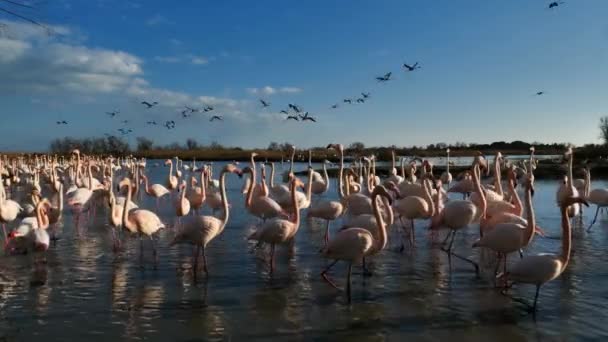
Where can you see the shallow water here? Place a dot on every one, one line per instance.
(80, 289)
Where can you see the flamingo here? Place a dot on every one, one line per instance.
(394, 177)
(321, 186)
(278, 230)
(599, 196)
(508, 237)
(355, 204)
(31, 233)
(9, 209)
(182, 205)
(80, 199)
(140, 221)
(155, 190)
(446, 177)
(263, 207)
(542, 268)
(457, 215)
(257, 187)
(198, 194)
(116, 209)
(354, 244)
(416, 207)
(567, 189)
(200, 230)
(171, 179)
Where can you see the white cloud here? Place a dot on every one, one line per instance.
(10, 49)
(268, 90)
(290, 90)
(157, 19)
(199, 60)
(167, 59)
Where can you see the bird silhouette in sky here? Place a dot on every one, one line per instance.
(151, 122)
(292, 117)
(385, 77)
(112, 114)
(125, 121)
(365, 95)
(334, 106)
(306, 117)
(62, 122)
(555, 4)
(264, 103)
(207, 109)
(411, 67)
(284, 112)
(360, 100)
(539, 93)
(216, 117)
(148, 104)
(296, 108)
(349, 101)
(170, 124)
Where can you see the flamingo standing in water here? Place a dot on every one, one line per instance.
(278, 230)
(171, 179)
(599, 196)
(542, 268)
(263, 206)
(446, 177)
(198, 194)
(155, 190)
(140, 221)
(354, 244)
(31, 233)
(80, 199)
(508, 237)
(567, 188)
(416, 207)
(182, 205)
(9, 209)
(200, 230)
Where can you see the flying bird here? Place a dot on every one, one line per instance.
(284, 112)
(148, 104)
(292, 117)
(264, 103)
(151, 122)
(360, 100)
(307, 117)
(334, 106)
(296, 108)
(411, 67)
(192, 110)
(385, 77)
(125, 121)
(349, 101)
(555, 4)
(539, 93)
(216, 117)
(113, 114)
(62, 122)
(185, 113)
(207, 109)
(170, 124)
(365, 95)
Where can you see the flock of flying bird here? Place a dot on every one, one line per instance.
(366, 205)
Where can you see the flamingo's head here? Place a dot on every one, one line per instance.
(233, 169)
(380, 190)
(168, 162)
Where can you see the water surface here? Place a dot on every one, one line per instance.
(80, 289)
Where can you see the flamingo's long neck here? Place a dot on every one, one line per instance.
(309, 185)
(515, 198)
(203, 185)
(293, 155)
(587, 181)
(393, 163)
(125, 213)
(566, 238)
(340, 175)
(294, 202)
(531, 227)
(90, 177)
(497, 178)
(482, 196)
(428, 197)
(225, 199)
(147, 185)
(570, 161)
(382, 239)
(271, 175)
(325, 176)
(170, 170)
(447, 167)
(250, 190)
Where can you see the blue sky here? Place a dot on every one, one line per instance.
(482, 61)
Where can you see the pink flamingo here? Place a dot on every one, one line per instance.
(539, 269)
(278, 230)
(354, 244)
(263, 207)
(155, 190)
(200, 230)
